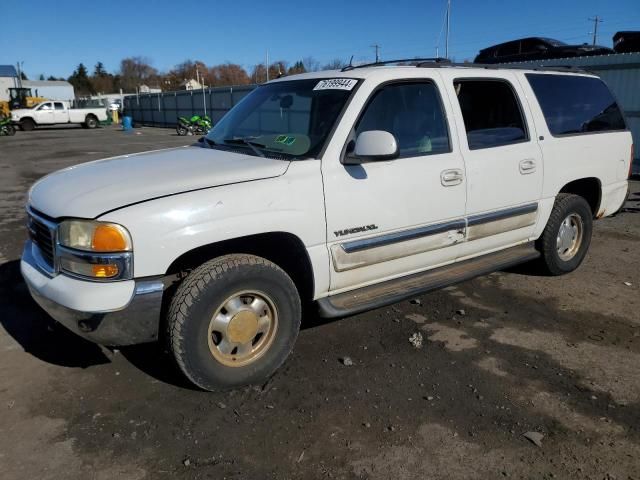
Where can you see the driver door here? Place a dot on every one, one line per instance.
(45, 114)
(389, 218)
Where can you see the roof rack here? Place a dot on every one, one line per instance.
(551, 68)
(438, 62)
(417, 61)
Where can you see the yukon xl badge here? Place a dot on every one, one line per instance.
(349, 231)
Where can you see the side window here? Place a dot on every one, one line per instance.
(45, 106)
(573, 104)
(59, 106)
(491, 112)
(412, 112)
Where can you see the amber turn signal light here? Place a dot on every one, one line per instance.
(108, 238)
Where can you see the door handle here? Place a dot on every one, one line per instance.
(452, 177)
(528, 165)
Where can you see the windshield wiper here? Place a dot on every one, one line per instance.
(255, 146)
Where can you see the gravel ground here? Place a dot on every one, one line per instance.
(508, 375)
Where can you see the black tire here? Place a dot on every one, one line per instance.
(182, 131)
(11, 130)
(27, 124)
(566, 205)
(202, 295)
(91, 121)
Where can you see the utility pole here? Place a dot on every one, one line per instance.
(19, 65)
(446, 45)
(266, 63)
(377, 48)
(596, 20)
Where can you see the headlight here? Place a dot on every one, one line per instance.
(95, 250)
(94, 236)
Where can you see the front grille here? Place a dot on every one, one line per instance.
(43, 236)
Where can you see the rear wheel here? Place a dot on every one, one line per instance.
(27, 124)
(91, 121)
(233, 322)
(566, 238)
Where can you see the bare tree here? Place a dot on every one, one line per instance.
(230, 74)
(310, 64)
(335, 64)
(135, 71)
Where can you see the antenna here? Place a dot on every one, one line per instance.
(377, 48)
(446, 45)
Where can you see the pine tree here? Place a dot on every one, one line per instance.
(81, 81)
(99, 70)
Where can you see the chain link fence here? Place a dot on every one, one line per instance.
(163, 109)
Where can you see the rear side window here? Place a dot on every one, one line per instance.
(491, 112)
(412, 112)
(573, 104)
(59, 106)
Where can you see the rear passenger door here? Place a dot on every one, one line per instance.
(60, 113)
(502, 158)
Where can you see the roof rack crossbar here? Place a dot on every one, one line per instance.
(417, 61)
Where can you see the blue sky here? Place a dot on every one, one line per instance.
(52, 37)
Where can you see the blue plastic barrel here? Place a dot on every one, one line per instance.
(127, 123)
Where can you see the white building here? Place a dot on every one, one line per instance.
(148, 89)
(50, 89)
(191, 85)
(8, 79)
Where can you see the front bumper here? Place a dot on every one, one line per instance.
(114, 314)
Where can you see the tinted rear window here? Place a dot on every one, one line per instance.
(573, 104)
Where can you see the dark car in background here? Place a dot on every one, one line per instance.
(536, 48)
(626, 42)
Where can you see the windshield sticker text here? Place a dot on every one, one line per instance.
(336, 84)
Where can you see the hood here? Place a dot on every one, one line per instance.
(18, 112)
(90, 189)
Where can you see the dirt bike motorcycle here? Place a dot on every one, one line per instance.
(195, 125)
(6, 127)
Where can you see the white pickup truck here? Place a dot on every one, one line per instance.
(57, 112)
(347, 190)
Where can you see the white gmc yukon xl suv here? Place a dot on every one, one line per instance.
(346, 189)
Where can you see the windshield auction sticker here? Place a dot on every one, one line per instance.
(336, 84)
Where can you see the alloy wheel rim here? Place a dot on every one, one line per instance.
(243, 328)
(569, 237)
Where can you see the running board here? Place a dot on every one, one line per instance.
(392, 291)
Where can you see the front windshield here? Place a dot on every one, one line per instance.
(289, 119)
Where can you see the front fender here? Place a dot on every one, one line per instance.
(164, 229)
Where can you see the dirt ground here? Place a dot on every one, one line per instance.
(503, 355)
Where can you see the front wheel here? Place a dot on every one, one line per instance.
(181, 130)
(28, 124)
(8, 130)
(566, 238)
(233, 322)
